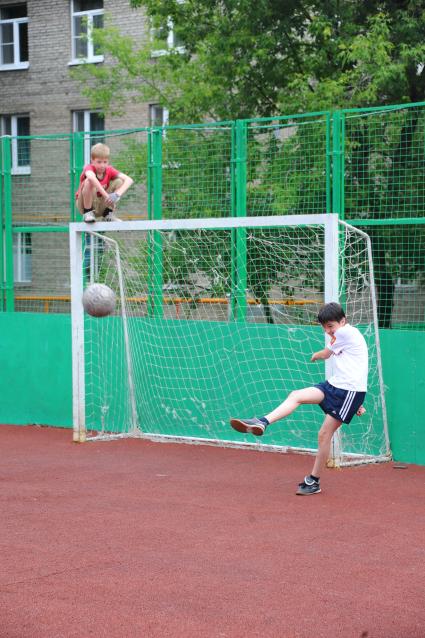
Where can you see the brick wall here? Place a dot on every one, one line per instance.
(45, 90)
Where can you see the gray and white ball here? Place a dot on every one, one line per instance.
(99, 300)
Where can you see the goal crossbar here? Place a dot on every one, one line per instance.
(212, 223)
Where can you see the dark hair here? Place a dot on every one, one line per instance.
(330, 312)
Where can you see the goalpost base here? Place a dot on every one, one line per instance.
(346, 460)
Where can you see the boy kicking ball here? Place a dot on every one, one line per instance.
(101, 187)
(340, 397)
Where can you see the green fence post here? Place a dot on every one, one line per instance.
(149, 175)
(155, 307)
(77, 165)
(338, 188)
(336, 163)
(1, 230)
(8, 234)
(72, 177)
(239, 247)
(328, 167)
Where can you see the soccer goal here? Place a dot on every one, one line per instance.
(216, 318)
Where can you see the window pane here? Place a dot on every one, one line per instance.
(23, 146)
(23, 125)
(6, 125)
(160, 36)
(23, 42)
(80, 26)
(7, 33)
(15, 11)
(22, 257)
(97, 122)
(98, 21)
(87, 5)
(80, 30)
(97, 24)
(26, 257)
(79, 121)
(7, 54)
(23, 152)
(156, 115)
(16, 269)
(177, 40)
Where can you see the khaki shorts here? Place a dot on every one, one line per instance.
(99, 203)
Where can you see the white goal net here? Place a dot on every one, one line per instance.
(217, 318)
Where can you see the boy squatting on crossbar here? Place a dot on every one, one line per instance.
(101, 187)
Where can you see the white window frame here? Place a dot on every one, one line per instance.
(89, 14)
(16, 170)
(17, 64)
(88, 139)
(22, 260)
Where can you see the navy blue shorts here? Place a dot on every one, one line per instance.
(341, 404)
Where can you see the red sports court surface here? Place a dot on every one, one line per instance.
(140, 539)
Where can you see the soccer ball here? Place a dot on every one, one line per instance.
(99, 300)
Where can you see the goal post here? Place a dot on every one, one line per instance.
(175, 361)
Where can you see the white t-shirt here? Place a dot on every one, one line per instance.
(350, 360)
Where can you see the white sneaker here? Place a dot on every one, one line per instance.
(89, 217)
(110, 217)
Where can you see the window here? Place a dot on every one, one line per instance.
(158, 115)
(166, 38)
(22, 257)
(89, 122)
(18, 126)
(86, 16)
(13, 37)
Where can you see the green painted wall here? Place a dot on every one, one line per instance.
(35, 369)
(35, 364)
(403, 357)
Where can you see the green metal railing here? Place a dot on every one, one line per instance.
(367, 165)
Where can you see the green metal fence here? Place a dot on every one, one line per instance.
(367, 165)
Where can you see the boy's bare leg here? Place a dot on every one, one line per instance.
(88, 193)
(293, 401)
(326, 432)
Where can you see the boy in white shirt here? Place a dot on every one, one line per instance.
(341, 397)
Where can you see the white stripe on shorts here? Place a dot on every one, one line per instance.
(347, 404)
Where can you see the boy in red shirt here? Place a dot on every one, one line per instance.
(101, 186)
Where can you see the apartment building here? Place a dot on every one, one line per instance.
(40, 42)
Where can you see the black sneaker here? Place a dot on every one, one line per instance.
(111, 217)
(249, 426)
(308, 486)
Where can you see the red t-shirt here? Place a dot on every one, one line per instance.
(110, 174)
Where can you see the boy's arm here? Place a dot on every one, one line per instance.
(116, 195)
(93, 179)
(322, 354)
(126, 183)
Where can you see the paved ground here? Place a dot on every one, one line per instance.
(141, 539)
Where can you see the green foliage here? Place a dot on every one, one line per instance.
(248, 59)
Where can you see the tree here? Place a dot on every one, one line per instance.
(242, 59)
